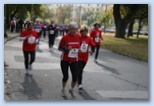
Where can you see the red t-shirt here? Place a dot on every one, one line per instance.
(96, 35)
(85, 43)
(74, 42)
(27, 46)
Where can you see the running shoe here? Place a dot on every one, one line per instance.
(80, 88)
(63, 93)
(30, 67)
(27, 72)
(95, 61)
(72, 93)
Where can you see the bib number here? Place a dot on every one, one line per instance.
(73, 53)
(31, 40)
(51, 31)
(84, 47)
(97, 39)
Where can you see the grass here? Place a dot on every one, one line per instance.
(133, 47)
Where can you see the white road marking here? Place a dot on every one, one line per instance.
(123, 94)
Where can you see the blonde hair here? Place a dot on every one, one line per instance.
(84, 28)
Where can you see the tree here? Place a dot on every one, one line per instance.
(19, 11)
(122, 20)
(86, 14)
(62, 13)
(48, 12)
(106, 17)
(142, 17)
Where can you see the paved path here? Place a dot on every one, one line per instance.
(115, 77)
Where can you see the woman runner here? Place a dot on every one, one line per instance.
(70, 44)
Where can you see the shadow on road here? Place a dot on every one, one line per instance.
(31, 88)
(112, 70)
(85, 95)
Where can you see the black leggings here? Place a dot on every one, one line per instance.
(26, 57)
(73, 68)
(81, 65)
(97, 50)
(51, 40)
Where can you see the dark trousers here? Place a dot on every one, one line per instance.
(73, 68)
(44, 32)
(26, 58)
(62, 32)
(39, 36)
(12, 28)
(51, 40)
(97, 50)
(81, 65)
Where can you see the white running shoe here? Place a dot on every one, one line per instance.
(95, 61)
(50, 49)
(63, 93)
(27, 72)
(80, 87)
(30, 67)
(72, 93)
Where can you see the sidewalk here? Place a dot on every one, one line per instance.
(6, 81)
(10, 36)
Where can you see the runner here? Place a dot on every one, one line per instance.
(86, 42)
(52, 34)
(30, 39)
(37, 27)
(96, 35)
(70, 44)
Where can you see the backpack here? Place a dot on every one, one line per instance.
(12, 23)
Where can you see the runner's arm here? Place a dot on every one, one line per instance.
(62, 48)
(22, 38)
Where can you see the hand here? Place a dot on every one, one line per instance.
(69, 48)
(27, 37)
(90, 51)
(80, 51)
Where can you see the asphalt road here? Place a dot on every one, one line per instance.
(114, 77)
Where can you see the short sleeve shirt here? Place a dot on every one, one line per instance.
(26, 46)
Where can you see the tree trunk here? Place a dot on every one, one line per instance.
(120, 29)
(122, 23)
(139, 28)
(130, 28)
(119, 23)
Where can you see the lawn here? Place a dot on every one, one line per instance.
(133, 47)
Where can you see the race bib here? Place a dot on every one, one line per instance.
(73, 53)
(31, 40)
(84, 47)
(96, 39)
(51, 31)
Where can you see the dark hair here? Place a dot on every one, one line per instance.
(96, 24)
(30, 22)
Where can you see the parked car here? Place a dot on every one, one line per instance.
(110, 29)
(143, 32)
(135, 31)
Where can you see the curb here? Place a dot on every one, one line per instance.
(8, 39)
